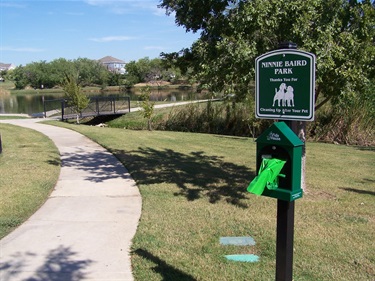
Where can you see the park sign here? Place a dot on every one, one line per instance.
(285, 85)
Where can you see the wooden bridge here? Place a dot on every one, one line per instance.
(98, 106)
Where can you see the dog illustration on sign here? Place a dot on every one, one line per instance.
(284, 96)
(289, 96)
(280, 95)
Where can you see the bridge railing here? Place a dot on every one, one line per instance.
(97, 106)
(51, 107)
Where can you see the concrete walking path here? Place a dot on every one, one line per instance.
(84, 229)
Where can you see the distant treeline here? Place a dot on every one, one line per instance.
(88, 73)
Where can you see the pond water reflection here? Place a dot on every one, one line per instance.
(33, 103)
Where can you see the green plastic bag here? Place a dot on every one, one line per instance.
(268, 174)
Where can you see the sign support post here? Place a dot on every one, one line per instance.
(284, 240)
(285, 223)
(285, 89)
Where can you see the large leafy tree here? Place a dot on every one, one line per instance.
(90, 72)
(234, 32)
(148, 70)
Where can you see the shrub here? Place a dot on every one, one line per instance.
(347, 120)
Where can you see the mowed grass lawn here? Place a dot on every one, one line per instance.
(193, 188)
(29, 168)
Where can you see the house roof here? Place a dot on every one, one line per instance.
(5, 65)
(109, 59)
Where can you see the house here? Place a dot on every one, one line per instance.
(6, 66)
(113, 64)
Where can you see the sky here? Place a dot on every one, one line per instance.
(45, 30)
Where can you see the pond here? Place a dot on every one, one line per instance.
(33, 103)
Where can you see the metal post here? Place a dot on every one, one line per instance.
(97, 105)
(284, 240)
(285, 234)
(285, 221)
(62, 109)
(1, 145)
(44, 107)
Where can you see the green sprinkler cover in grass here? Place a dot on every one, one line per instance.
(243, 258)
(267, 176)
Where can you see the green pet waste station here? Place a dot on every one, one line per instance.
(284, 90)
(278, 158)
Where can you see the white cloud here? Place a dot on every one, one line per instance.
(112, 38)
(115, 7)
(121, 7)
(149, 5)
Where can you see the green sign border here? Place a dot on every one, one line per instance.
(311, 93)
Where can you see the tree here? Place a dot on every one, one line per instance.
(19, 77)
(132, 77)
(59, 69)
(90, 72)
(234, 32)
(48, 75)
(141, 70)
(147, 106)
(76, 98)
(340, 33)
(148, 70)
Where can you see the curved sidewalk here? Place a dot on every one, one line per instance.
(84, 229)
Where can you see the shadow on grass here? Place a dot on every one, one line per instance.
(360, 191)
(55, 161)
(59, 265)
(196, 174)
(99, 165)
(366, 148)
(168, 272)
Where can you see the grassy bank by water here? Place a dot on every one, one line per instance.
(194, 192)
(29, 168)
